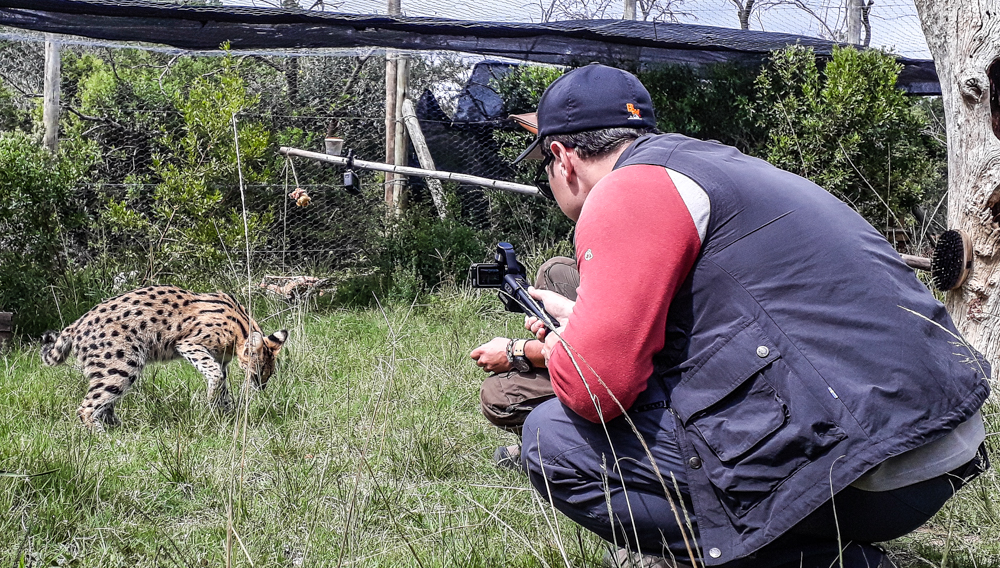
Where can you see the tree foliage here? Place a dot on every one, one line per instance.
(709, 103)
(199, 180)
(40, 213)
(101, 216)
(844, 124)
(848, 128)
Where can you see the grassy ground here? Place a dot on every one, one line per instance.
(367, 449)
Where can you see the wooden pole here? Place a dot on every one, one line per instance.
(394, 9)
(424, 156)
(854, 22)
(400, 146)
(405, 170)
(50, 104)
(390, 123)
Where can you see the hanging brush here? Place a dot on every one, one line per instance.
(951, 262)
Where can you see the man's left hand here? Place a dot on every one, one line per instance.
(492, 355)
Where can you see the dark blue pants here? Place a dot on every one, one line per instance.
(612, 490)
(572, 462)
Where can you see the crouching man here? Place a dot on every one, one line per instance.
(749, 374)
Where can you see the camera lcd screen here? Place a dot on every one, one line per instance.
(489, 276)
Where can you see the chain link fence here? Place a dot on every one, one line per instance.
(176, 175)
(169, 170)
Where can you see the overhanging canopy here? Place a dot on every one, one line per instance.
(614, 42)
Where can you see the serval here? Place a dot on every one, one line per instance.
(117, 338)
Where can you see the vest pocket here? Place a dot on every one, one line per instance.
(749, 420)
(741, 420)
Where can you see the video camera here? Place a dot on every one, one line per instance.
(507, 274)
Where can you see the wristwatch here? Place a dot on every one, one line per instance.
(515, 355)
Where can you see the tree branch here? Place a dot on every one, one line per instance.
(866, 8)
(101, 119)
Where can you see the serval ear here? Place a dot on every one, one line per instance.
(254, 343)
(276, 340)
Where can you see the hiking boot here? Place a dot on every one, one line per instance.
(509, 457)
(623, 558)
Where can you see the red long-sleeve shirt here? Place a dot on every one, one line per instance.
(636, 240)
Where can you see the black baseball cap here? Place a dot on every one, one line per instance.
(591, 98)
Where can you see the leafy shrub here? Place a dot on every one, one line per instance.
(12, 117)
(521, 88)
(39, 215)
(710, 103)
(417, 253)
(185, 227)
(849, 129)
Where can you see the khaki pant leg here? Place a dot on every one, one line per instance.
(559, 274)
(507, 398)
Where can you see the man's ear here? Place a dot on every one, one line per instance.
(564, 159)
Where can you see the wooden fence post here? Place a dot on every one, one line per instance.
(400, 146)
(50, 104)
(390, 124)
(394, 8)
(424, 156)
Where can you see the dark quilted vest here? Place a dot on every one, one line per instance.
(800, 350)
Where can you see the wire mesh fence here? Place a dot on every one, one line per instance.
(170, 169)
(893, 24)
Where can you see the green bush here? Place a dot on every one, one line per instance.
(416, 254)
(11, 117)
(848, 128)
(710, 103)
(40, 215)
(182, 215)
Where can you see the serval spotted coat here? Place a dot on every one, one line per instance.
(117, 338)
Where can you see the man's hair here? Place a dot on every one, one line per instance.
(596, 143)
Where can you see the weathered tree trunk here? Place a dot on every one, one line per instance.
(854, 21)
(743, 12)
(964, 40)
(629, 11)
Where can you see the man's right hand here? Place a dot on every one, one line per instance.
(558, 306)
(492, 355)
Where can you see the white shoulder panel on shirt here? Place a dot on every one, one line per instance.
(696, 200)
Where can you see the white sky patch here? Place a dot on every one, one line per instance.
(895, 24)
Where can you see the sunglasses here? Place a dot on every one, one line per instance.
(541, 179)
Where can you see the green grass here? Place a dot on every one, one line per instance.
(367, 449)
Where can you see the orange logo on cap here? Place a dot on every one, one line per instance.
(633, 111)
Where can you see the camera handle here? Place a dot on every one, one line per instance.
(517, 299)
